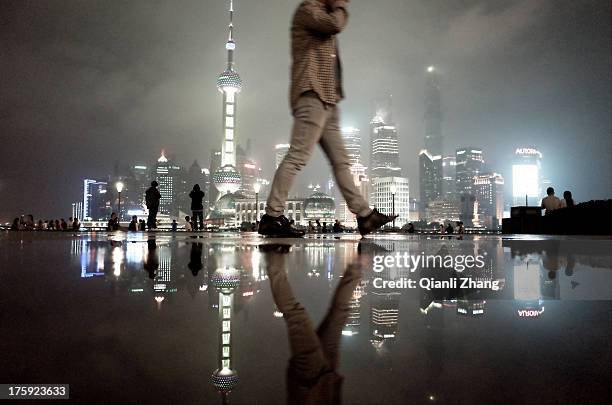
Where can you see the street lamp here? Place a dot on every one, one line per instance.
(119, 186)
(256, 188)
(393, 189)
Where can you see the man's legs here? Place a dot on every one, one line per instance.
(333, 145)
(152, 219)
(309, 120)
(197, 218)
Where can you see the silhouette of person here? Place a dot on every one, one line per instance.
(195, 258)
(311, 375)
(197, 207)
(151, 263)
(152, 197)
(568, 201)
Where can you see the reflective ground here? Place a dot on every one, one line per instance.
(159, 318)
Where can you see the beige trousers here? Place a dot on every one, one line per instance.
(315, 122)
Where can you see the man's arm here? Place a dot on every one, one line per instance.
(316, 19)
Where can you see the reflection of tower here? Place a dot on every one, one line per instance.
(225, 280)
(226, 178)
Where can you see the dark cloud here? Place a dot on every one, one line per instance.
(85, 83)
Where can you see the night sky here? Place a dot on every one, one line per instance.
(86, 83)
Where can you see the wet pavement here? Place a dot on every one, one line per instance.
(392, 319)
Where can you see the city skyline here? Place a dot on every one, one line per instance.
(537, 82)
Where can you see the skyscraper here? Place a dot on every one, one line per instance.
(226, 178)
(352, 142)
(430, 179)
(449, 188)
(469, 163)
(489, 191)
(170, 178)
(384, 145)
(392, 196)
(96, 203)
(433, 113)
(434, 183)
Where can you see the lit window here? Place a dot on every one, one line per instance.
(229, 134)
(230, 96)
(229, 122)
(229, 110)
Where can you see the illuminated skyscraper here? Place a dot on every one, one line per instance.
(384, 145)
(96, 203)
(526, 176)
(226, 178)
(449, 188)
(430, 179)
(169, 176)
(352, 142)
(433, 114)
(489, 191)
(469, 163)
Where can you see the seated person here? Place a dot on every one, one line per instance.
(551, 202)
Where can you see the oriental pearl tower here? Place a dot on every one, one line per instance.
(226, 178)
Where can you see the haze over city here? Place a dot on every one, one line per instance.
(85, 84)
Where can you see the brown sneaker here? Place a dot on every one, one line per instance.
(373, 221)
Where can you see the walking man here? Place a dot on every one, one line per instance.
(152, 197)
(316, 88)
(197, 207)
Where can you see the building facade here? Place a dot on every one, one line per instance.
(392, 196)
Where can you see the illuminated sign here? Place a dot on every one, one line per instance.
(525, 180)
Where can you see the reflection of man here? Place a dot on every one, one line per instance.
(195, 262)
(151, 264)
(316, 88)
(311, 375)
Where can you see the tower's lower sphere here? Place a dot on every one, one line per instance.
(227, 179)
(224, 380)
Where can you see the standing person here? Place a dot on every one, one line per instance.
(174, 225)
(142, 225)
(76, 225)
(551, 202)
(197, 207)
(63, 225)
(152, 197)
(316, 88)
(568, 201)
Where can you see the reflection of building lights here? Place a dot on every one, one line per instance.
(117, 260)
(278, 314)
(204, 287)
(248, 294)
(159, 299)
(347, 333)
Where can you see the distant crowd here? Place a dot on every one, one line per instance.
(27, 223)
